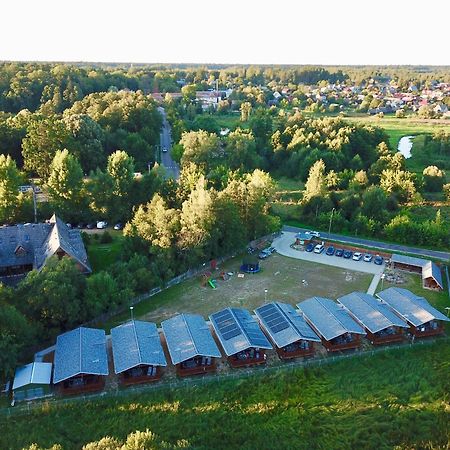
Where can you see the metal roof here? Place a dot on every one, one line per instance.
(135, 343)
(80, 351)
(328, 318)
(370, 312)
(187, 336)
(284, 325)
(33, 373)
(237, 330)
(411, 307)
(409, 260)
(432, 270)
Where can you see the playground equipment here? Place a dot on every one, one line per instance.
(250, 264)
(207, 279)
(225, 276)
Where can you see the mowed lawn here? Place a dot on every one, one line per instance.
(391, 400)
(103, 255)
(286, 279)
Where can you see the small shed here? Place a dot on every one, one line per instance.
(137, 352)
(190, 343)
(81, 361)
(32, 381)
(291, 335)
(408, 263)
(432, 276)
(423, 319)
(240, 336)
(336, 328)
(381, 324)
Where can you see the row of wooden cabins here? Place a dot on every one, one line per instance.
(81, 362)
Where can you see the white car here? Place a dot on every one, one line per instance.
(102, 224)
(319, 248)
(164, 149)
(313, 233)
(357, 256)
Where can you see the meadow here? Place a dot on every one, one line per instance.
(394, 399)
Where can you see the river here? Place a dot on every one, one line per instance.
(404, 146)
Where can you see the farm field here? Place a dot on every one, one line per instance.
(281, 276)
(394, 399)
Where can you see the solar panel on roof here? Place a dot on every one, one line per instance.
(227, 325)
(273, 318)
(231, 334)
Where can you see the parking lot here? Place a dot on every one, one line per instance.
(283, 246)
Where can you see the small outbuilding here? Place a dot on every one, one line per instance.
(137, 352)
(303, 238)
(430, 271)
(190, 343)
(240, 336)
(381, 324)
(32, 381)
(81, 361)
(423, 319)
(336, 328)
(291, 335)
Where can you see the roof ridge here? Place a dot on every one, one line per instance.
(239, 325)
(190, 332)
(32, 371)
(137, 340)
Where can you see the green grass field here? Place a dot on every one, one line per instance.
(103, 255)
(397, 399)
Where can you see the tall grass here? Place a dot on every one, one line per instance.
(396, 399)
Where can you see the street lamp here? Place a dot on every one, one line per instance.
(131, 312)
(331, 218)
(448, 310)
(383, 276)
(265, 295)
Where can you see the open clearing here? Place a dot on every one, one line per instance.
(281, 276)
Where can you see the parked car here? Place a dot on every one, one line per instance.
(69, 225)
(347, 254)
(90, 226)
(81, 225)
(102, 224)
(319, 248)
(272, 249)
(339, 252)
(309, 247)
(118, 226)
(330, 251)
(263, 254)
(357, 256)
(378, 260)
(368, 257)
(313, 233)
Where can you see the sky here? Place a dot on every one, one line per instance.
(322, 32)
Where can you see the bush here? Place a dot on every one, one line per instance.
(106, 238)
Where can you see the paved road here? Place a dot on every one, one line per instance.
(421, 252)
(172, 168)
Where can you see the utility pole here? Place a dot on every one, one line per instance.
(34, 203)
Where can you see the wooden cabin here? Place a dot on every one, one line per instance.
(380, 323)
(191, 346)
(423, 319)
(240, 336)
(81, 361)
(137, 352)
(291, 335)
(337, 330)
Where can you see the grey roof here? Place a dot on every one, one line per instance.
(328, 318)
(187, 336)
(33, 243)
(432, 270)
(284, 325)
(370, 312)
(135, 343)
(238, 330)
(411, 307)
(80, 351)
(33, 373)
(410, 260)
